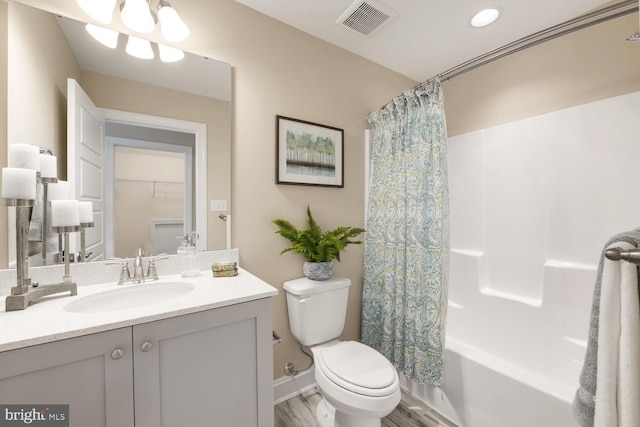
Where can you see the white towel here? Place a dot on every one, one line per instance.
(618, 378)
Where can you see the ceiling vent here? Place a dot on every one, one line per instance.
(365, 17)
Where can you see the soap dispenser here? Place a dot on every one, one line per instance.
(189, 255)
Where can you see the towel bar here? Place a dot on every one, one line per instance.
(615, 254)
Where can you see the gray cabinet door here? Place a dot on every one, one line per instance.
(82, 372)
(212, 368)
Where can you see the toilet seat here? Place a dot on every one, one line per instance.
(358, 368)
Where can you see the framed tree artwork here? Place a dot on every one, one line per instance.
(309, 153)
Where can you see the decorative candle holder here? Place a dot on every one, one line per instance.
(22, 257)
(64, 231)
(83, 244)
(25, 292)
(45, 220)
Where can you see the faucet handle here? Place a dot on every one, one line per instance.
(125, 274)
(151, 271)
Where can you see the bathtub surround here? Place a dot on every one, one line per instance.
(553, 182)
(589, 396)
(407, 247)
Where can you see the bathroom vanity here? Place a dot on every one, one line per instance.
(198, 354)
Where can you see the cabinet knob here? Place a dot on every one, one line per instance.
(117, 354)
(146, 346)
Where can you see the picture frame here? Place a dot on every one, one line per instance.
(309, 153)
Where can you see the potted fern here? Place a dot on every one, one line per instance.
(319, 248)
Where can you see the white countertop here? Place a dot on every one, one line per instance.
(47, 320)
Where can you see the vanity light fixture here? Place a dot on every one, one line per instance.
(100, 10)
(107, 37)
(485, 17)
(172, 26)
(169, 54)
(139, 48)
(136, 15)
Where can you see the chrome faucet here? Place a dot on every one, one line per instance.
(139, 275)
(138, 272)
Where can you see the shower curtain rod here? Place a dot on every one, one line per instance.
(597, 17)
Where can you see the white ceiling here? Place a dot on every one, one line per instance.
(426, 37)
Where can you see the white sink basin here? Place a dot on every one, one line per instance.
(130, 296)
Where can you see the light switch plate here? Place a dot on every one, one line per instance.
(218, 205)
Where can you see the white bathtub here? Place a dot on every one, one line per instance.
(482, 391)
(509, 361)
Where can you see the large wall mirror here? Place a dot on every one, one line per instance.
(167, 130)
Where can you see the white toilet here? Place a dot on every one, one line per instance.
(359, 385)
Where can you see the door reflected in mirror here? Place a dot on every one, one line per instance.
(149, 203)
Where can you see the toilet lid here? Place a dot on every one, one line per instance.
(359, 365)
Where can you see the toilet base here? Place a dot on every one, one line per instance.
(345, 420)
(327, 416)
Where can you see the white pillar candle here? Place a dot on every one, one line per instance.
(48, 166)
(18, 183)
(86, 212)
(23, 156)
(65, 213)
(58, 190)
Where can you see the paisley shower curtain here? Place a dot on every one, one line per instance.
(407, 241)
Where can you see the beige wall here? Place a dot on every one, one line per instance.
(40, 63)
(279, 70)
(585, 66)
(126, 95)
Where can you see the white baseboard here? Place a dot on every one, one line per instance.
(287, 387)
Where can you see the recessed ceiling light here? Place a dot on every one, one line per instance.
(485, 17)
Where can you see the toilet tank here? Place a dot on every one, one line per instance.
(317, 308)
